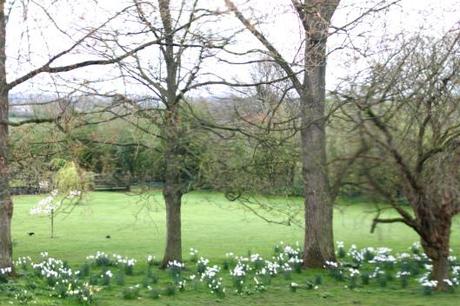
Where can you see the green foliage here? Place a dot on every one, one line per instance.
(130, 293)
(71, 177)
(84, 233)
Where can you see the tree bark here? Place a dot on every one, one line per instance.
(172, 190)
(435, 229)
(319, 238)
(173, 202)
(6, 205)
(315, 16)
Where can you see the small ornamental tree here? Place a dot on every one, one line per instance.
(69, 184)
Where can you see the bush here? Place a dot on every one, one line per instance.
(71, 177)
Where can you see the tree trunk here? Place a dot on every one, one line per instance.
(436, 243)
(319, 241)
(172, 191)
(6, 205)
(173, 201)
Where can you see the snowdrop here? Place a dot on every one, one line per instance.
(353, 272)
(193, 253)
(150, 260)
(238, 271)
(5, 271)
(175, 264)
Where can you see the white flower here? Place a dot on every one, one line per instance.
(74, 193)
(45, 206)
(402, 274)
(239, 270)
(175, 264)
(7, 270)
(331, 264)
(150, 259)
(353, 272)
(203, 261)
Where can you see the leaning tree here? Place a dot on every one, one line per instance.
(406, 108)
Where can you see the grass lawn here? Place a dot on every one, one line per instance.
(214, 226)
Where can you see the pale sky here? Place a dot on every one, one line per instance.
(30, 42)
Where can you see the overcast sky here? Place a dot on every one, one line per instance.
(31, 41)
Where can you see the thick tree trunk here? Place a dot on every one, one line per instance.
(172, 191)
(173, 201)
(436, 228)
(6, 205)
(441, 270)
(319, 241)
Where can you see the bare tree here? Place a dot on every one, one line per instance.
(164, 77)
(52, 65)
(407, 109)
(308, 78)
(315, 17)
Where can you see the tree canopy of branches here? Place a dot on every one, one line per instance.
(167, 74)
(52, 65)
(315, 17)
(407, 109)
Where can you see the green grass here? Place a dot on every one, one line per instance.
(214, 226)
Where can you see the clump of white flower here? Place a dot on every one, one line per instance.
(239, 275)
(6, 271)
(175, 269)
(427, 284)
(201, 265)
(125, 263)
(272, 268)
(331, 264)
(193, 254)
(239, 270)
(50, 204)
(45, 206)
(353, 272)
(100, 259)
(175, 265)
(150, 260)
(355, 254)
(210, 272)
